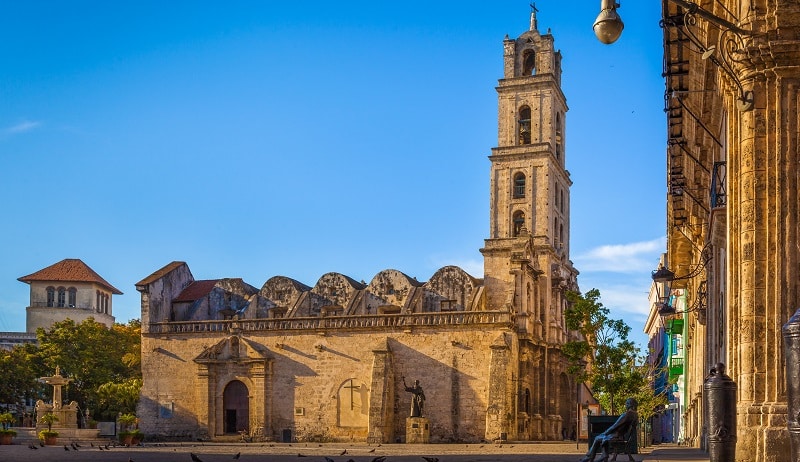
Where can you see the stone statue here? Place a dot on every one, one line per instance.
(418, 400)
(617, 431)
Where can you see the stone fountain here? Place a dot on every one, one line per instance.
(67, 424)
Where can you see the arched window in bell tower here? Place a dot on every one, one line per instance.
(528, 63)
(62, 297)
(72, 295)
(558, 136)
(518, 222)
(524, 125)
(519, 185)
(555, 231)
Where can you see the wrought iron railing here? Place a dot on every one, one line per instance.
(675, 365)
(718, 186)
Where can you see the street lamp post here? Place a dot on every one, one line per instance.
(608, 25)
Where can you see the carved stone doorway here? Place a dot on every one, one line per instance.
(236, 403)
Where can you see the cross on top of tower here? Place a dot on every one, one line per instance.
(534, 10)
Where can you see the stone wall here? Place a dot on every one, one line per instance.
(308, 375)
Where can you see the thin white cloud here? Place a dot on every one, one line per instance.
(626, 300)
(22, 127)
(622, 258)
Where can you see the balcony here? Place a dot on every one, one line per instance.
(674, 326)
(675, 366)
(79, 306)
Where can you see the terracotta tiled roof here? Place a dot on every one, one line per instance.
(160, 273)
(69, 270)
(196, 290)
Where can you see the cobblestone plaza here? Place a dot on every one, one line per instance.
(311, 452)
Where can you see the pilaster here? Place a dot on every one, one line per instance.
(497, 424)
(381, 398)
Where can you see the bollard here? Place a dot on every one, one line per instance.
(720, 403)
(791, 354)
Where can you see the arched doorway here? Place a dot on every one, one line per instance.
(236, 405)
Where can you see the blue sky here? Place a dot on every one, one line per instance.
(259, 138)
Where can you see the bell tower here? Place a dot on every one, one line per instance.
(526, 258)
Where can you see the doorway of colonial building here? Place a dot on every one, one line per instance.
(236, 405)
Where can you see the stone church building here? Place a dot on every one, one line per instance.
(330, 362)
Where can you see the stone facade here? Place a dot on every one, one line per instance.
(292, 362)
(732, 206)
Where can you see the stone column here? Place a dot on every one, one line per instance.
(497, 424)
(381, 397)
(764, 252)
(260, 400)
(203, 402)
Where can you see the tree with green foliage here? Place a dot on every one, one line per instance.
(603, 356)
(115, 398)
(650, 403)
(20, 369)
(91, 355)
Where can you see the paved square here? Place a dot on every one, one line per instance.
(299, 452)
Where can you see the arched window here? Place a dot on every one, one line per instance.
(557, 194)
(528, 63)
(519, 185)
(99, 306)
(559, 135)
(527, 405)
(62, 297)
(555, 231)
(524, 125)
(518, 222)
(72, 295)
(51, 296)
(561, 232)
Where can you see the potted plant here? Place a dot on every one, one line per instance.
(127, 432)
(136, 436)
(6, 433)
(48, 436)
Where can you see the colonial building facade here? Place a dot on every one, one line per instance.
(331, 362)
(69, 289)
(732, 96)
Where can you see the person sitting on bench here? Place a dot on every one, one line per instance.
(615, 432)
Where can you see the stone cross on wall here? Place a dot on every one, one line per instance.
(57, 381)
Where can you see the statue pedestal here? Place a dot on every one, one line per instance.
(418, 430)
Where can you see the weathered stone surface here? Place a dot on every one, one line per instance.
(753, 286)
